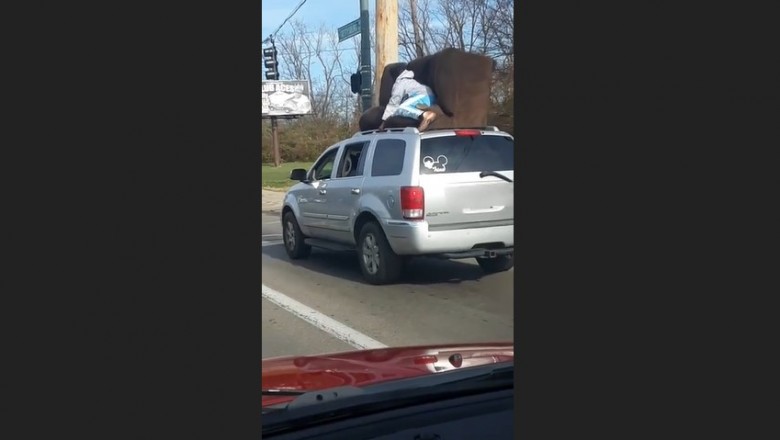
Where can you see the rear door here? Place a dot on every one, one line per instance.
(456, 197)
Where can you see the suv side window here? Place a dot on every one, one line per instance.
(388, 157)
(323, 169)
(352, 160)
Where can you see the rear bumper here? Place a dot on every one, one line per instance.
(478, 253)
(414, 238)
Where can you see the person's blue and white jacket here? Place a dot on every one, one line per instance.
(406, 95)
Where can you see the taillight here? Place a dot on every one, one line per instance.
(412, 202)
(467, 132)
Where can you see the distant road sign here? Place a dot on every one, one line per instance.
(349, 30)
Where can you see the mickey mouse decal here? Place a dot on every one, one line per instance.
(439, 166)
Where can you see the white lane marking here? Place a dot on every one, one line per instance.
(273, 239)
(321, 321)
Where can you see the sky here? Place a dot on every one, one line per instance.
(333, 13)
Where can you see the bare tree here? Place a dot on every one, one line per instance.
(502, 13)
(313, 54)
(415, 28)
(294, 52)
(482, 26)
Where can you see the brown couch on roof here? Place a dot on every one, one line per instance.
(460, 81)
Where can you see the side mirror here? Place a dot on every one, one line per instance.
(298, 174)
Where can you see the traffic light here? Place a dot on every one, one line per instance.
(271, 65)
(355, 81)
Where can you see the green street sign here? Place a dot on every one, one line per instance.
(349, 30)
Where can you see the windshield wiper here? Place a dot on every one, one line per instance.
(484, 174)
(282, 392)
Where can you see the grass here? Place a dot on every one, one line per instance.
(279, 178)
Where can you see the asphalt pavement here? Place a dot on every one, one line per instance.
(322, 304)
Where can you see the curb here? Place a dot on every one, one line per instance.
(273, 208)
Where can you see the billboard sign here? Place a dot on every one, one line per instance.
(286, 98)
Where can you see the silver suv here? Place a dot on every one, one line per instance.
(397, 193)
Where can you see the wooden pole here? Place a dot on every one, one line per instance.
(275, 138)
(386, 40)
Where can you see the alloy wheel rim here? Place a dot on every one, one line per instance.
(290, 236)
(370, 254)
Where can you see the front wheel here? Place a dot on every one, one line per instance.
(378, 262)
(293, 238)
(501, 263)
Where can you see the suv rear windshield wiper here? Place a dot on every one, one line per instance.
(484, 174)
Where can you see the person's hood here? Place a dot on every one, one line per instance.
(368, 367)
(406, 74)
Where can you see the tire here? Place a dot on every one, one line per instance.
(501, 263)
(378, 262)
(293, 238)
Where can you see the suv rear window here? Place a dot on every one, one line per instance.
(465, 154)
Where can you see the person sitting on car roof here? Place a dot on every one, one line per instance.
(410, 99)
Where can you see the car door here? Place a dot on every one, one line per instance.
(344, 190)
(312, 200)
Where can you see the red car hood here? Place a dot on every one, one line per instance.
(367, 367)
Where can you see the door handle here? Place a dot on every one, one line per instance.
(323, 191)
(355, 190)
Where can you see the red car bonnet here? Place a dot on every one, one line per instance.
(367, 367)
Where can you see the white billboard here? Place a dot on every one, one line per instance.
(286, 98)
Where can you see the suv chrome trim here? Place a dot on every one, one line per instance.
(471, 225)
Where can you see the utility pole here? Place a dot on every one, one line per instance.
(386, 39)
(275, 140)
(272, 73)
(365, 55)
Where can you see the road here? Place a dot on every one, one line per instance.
(322, 304)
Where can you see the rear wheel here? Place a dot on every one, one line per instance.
(293, 238)
(501, 263)
(378, 262)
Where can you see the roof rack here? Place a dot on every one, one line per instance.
(414, 130)
(485, 128)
